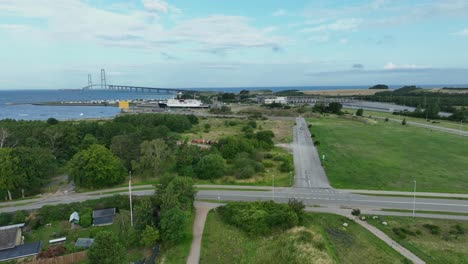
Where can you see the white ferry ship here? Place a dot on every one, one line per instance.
(182, 103)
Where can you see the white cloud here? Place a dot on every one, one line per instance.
(462, 33)
(339, 25)
(320, 38)
(393, 66)
(344, 41)
(160, 6)
(74, 20)
(279, 12)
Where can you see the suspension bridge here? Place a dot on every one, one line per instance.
(128, 88)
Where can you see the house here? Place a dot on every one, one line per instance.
(74, 218)
(12, 244)
(103, 216)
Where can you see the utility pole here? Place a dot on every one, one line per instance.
(273, 187)
(130, 196)
(414, 199)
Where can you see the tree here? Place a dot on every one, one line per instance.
(143, 213)
(403, 122)
(127, 148)
(106, 249)
(149, 236)
(87, 141)
(178, 192)
(36, 165)
(9, 176)
(335, 107)
(4, 135)
(52, 121)
(156, 158)
(96, 167)
(210, 167)
(171, 225)
(379, 86)
(360, 112)
(298, 207)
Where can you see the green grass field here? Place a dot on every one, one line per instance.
(332, 243)
(441, 123)
(447, 245)
(389, 156)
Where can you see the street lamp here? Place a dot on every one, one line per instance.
(414, 199)
(130, 196)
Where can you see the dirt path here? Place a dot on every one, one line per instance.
(374, 230)
(201, 212)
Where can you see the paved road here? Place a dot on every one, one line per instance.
(307, 165)
(330, 197)
(432, 127)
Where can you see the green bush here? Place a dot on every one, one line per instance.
(20, 217)
(259, 217)
(86, 217)
(435, 230)
(5, 219)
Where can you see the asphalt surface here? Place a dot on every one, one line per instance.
(307, 165)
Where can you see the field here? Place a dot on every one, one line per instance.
(221, 127)
(441, 123)
(389, 156)
(344, 92)
(433, 240)
(331, 243)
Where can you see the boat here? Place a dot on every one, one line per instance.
(182, 103)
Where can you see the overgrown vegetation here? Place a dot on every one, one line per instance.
(433, 240)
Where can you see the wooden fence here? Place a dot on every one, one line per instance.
(65, 259)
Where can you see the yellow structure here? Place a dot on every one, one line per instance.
(123, 105)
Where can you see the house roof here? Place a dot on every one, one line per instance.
(103, 212)
(106, 220)
(11, 226)
(74, 216)
(84, 242)
(20, 251)
(8, 238)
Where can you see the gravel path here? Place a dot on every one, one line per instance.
(201, 212)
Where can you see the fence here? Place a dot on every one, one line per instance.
(65, 259)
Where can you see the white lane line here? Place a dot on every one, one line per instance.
(349, 200)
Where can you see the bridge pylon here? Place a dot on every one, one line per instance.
(103, 79)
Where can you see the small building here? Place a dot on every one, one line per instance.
(74, 218)
(278, 100)
(12, 244)
(103, 216)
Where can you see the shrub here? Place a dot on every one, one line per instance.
(457, 230)
(435, 230)
(403, 122)
(259, 217)
(5, 218)
(398, 232)
(86, 217)
(386, 119)
(20, 217)
(356, 212)
(316, 143)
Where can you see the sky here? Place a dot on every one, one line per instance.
(53, 44)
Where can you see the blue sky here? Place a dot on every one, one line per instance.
(211, 43)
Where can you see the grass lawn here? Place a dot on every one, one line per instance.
(446, 245)
(441, 123)
(180, 252)
(389, 156)
(332, 243)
